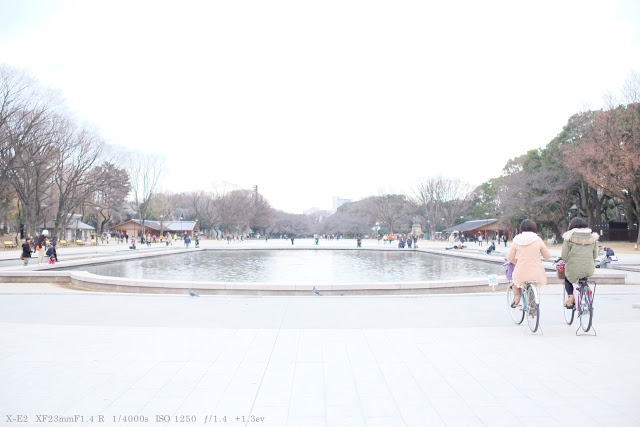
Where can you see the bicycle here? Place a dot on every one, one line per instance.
(529, 305)
(583, 304)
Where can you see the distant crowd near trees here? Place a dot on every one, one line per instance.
(52, 167)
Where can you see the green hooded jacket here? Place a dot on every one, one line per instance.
(579, 250)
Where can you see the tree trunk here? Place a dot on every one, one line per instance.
(636, 213)
(56, 227)
(600, 212)
(590, 197)
(556, 231)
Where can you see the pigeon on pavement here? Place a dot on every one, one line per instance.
(316, 292)
(193, 294)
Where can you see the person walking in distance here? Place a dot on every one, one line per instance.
(26, 251)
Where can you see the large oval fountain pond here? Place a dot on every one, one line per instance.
(298, 266)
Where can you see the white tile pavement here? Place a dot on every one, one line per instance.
(463, 364)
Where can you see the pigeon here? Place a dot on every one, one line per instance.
(315, 291)
(193, 294)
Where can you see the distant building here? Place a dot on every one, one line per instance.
(337, 202)
(133, 227)
(76, 229)
(489, 229)
(311, 211)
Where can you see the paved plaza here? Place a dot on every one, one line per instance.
(429, 360)
(315, 361)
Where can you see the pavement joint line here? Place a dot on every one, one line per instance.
(381, 372)
(266, 367)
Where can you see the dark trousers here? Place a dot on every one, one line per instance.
(568, 286)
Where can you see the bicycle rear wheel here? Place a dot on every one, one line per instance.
(586, 308)
(533, 308)
(517, 314)
(568, 312)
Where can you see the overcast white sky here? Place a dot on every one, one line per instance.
(310, 100)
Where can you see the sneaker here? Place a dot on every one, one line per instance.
(569, 302)
(517, 296)
(516, 301)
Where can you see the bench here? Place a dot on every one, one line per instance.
(8, 244)
(79, 242)
(62, 242)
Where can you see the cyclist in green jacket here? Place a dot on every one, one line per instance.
(579, 250)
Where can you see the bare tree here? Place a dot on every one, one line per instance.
(291, 224)
(351, 219)
(77, 176)
(32, 148)
(161, 208)
(631, 88)
(233, 209)
(144, 172)
(439, 201)
(110, 198)
(205, 208)
(261, 214)
(27, 128)
(391, 210)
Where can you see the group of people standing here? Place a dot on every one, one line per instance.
(579, 249)
(403, 240)
(168, 239)
(39, 245)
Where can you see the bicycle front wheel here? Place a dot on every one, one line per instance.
(517, 314)
(568, 312)
(586, 308)
(533, 308)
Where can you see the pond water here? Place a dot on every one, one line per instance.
(299, 266)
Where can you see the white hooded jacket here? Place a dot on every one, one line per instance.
(525, 253)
